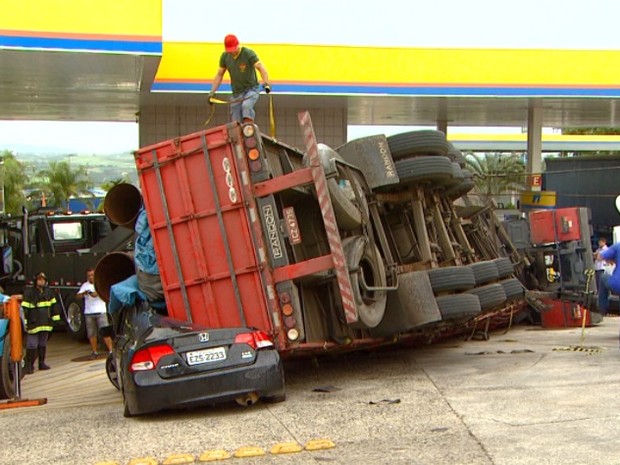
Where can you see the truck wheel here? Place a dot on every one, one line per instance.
(513, 288)
(111, 371)
(346, 209)
(412, 143)
(504, 266)
(462, 188)
(456, 155)
(458, 306)
(491, 295)
(484, 272)
(7, 378)
(457, 176)
(365, 262)
(436, 170)
(75, 321)
(451, 278)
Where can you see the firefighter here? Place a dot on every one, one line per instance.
(40, 312)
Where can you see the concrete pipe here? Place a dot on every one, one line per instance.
(122, 205)
(111, 269)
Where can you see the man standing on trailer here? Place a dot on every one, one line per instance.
(241, 64)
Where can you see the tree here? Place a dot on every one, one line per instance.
(14, 183)
(496, 173)
(106, 186)
(64, 182)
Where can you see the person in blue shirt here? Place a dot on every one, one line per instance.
(609, 282)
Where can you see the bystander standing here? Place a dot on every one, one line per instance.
(95, 312)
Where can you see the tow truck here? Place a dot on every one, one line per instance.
(63, 245)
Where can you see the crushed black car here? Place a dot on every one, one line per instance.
(159, 363)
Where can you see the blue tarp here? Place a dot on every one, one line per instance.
(125, 293)
(144, 253)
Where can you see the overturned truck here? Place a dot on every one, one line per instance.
(373, 243)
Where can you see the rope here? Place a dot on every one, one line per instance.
(272, 117)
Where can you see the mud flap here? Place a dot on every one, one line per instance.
(411, 306)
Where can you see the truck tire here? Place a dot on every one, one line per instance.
(75, 320)
(490, 295)
(513, 288)
(458, 306)
(436, 170)
(456, 155)
(347, 211)
(348, 216)
(413, 143)
(363, 259)
(484, 272)
(451, 278)
(463, 188)
(504, 266)
(457, 176)
(7, 377)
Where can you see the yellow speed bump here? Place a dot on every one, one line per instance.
(213, 455)
(143, 461)
(319, 444)
(249, 451)
(178, 459)
(286, 448)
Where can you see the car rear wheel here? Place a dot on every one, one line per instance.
(75, 321)
(111, 371)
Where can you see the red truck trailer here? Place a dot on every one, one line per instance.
(321, 249)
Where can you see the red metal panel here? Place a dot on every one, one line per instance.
(563, 314)
(201, 231)
(549, 226)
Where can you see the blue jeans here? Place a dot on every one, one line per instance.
(243, 106)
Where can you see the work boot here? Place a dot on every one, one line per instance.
(42, 365)
(31, 356)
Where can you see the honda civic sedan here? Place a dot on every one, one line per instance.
(159, 363)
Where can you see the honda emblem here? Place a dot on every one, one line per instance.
(203, 337)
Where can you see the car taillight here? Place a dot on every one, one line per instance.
(256, 340)
(147, 358)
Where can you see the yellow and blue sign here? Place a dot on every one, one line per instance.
(133, 27)
(346, 70)
(537, 199)
(414, 68)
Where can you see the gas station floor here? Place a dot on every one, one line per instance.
(528, 396)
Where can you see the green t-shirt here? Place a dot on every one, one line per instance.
(241, 69)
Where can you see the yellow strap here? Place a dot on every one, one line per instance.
(217, 100)
(272, 117)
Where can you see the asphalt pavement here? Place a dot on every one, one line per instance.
(528, 396)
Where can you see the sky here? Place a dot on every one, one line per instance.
(68, 137)
(111, 138)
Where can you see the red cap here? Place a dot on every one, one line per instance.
(231, 43)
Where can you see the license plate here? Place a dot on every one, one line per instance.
(199, 357)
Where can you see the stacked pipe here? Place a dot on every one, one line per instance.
(123, 206)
